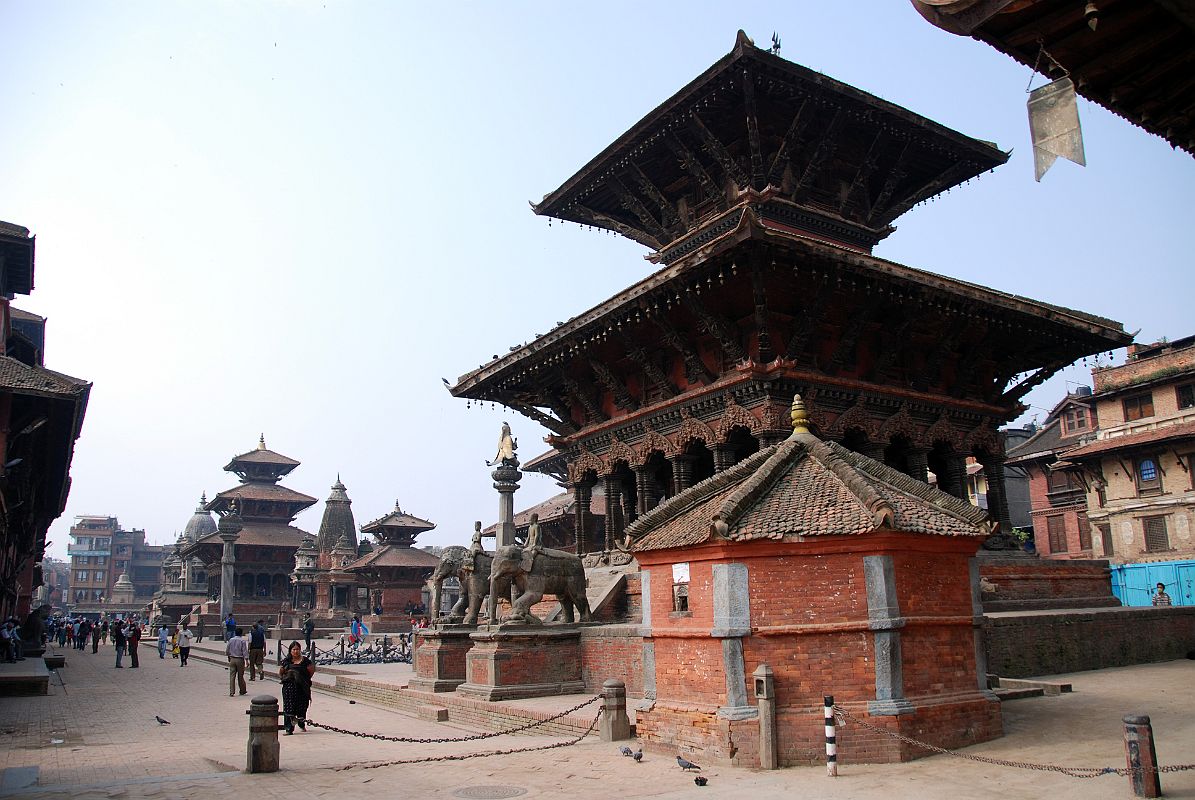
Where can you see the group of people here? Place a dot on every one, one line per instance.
(294, 672)
(10, 641)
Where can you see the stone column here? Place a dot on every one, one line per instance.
(919, 463)
(885, 621)
(956, 478)
(643, 503)
(228, 529)
(682, 472)
(993, 473)
(582, 494)
(649, 644)
(874, 450)
(506, 481)
(723, 457)
(613, 510)
(732, 621)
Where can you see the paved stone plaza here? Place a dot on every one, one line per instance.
(96, 736)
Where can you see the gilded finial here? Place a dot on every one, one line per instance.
(799, 417)
(261, 442)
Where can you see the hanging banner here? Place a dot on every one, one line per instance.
(1054, 126)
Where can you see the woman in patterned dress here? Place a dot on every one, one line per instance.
(295, 673)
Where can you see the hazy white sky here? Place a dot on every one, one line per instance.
(295, 218)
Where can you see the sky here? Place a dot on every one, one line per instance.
(295, 218)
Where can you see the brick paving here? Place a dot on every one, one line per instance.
(111, 746)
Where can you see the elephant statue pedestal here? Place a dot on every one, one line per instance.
(440, 654)
(511, 662)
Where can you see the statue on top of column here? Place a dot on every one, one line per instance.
(507, 445)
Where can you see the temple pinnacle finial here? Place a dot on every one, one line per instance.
(261, 442)
(397, 507)
(799, 417)
(203, 498)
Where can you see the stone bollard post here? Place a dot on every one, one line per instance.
(1142, 759)
(831, 737)
(262, 753)
(765, 693)
(615, 725)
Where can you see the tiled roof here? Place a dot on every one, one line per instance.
(395, 556)
(260, 491)
(1181, 431)
(555, 507)
(17, 313)
(398, 519)
(21, 378)
(804, 487)
(262, 456)
(270, 534)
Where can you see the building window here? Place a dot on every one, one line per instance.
(1084, 532)
(1138, 406)
(99, 576)
(1106, 538)
(81, 576)
(1156, 538)
(1149, 480)
(680, 588)
(1074, 420)
(1186, 396)
(1056, 528)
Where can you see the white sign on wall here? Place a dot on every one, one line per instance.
(680, 573)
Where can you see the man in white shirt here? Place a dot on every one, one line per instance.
(238, 653)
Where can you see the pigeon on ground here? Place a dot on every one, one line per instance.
(701, 781)
(626, 751)
(686, 765)
(161, 721)
(638, 755)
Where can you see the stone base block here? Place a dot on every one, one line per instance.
(55, 662)
(510, 662)
(440, 655)
(433, 713)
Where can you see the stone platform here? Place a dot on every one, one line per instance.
(1016, 581)
(28, 677)
(440, 657)
(519, 661)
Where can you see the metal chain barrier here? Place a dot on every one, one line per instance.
(463, 757)
(1074, 772)
(476, 737)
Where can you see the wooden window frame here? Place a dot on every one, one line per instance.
(1084, 532)
(1105, 530)
(1151, 486)
(1056, 538)
(1184, 396)
(1138, 408)
(1159, 519)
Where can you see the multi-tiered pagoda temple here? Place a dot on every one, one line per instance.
(395, 572)
(265, 546)
(760, 189)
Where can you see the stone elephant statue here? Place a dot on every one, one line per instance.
(535, 572)
(472, 569)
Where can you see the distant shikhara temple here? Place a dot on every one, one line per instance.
(760, 189)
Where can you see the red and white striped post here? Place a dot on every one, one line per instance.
(831, 739)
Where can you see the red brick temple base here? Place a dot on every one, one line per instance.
(440, 655)
(512, 662)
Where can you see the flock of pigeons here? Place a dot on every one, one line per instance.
(681, 762)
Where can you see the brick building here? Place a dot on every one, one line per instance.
(100, 552)
(843, 575)
(1057, 486)
(1141, 488)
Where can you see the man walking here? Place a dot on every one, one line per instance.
(185, 637)
(308, 629)
(163, 639)
(230, 627)
(257, 650)
(119, 641)
(134, 640)
(237, 650)
(97, 631)
(199, 631)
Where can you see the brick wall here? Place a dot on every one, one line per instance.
(1143, 370)
(1024, 583)
(612, 651)
(1021, 646)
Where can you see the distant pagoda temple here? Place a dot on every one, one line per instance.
(760, 189)
(395, 572)
(336, 544)
(266, 542)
